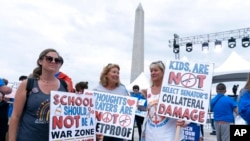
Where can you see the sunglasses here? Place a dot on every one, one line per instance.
(110, 65)
(160, 63)
(49, 59)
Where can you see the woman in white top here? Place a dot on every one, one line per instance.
(159, 128)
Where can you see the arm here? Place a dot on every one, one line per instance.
(20, 99)
(144, 93)
(182, 123)
(244, 106)
(236, 110)
(3, 88)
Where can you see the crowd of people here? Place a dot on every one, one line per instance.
(21, 121)
(225, 109)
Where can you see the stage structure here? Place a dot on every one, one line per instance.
(205, 39)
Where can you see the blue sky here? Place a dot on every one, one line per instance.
(91, 34)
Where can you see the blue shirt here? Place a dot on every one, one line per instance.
(224, 108)
(1, 82)
(139, 96)
(244, 105)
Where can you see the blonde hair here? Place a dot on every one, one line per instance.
(160, 65)
(105, 71)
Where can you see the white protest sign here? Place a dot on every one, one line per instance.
(115, 114)
(141, 102)
(72, 116)
(140, 112)
(186, 90)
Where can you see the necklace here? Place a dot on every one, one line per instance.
(46, 81)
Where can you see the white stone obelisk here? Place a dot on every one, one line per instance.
(137, 66)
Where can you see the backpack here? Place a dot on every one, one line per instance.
(30, 83)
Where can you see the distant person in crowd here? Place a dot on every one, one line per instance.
(212, 120)
(223, 108)
(244, 101)
(27, 122)
(21, 78)
(4, 106)
(202, 132)
(235, 88)
(166, 130)
(212, 125)
(4, 89)
(139, 119)
(110, 83)
(80, 86)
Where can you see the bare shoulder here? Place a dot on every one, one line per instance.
(21, 90)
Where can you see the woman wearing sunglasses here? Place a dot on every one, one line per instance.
(27, 122)
(110, 83)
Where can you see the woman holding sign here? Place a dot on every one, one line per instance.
(159, 128)
(29, 121)
(110, 83)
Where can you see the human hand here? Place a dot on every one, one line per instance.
(5, 89)
(182, 123)
(99, 137)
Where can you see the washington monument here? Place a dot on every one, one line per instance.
(138, 45)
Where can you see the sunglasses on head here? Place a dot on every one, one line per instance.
(111, 65)
(159, 62)
(49, 59)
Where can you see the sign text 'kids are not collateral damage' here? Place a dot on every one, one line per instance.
(186, 90)
(72, 116)
(115, 114)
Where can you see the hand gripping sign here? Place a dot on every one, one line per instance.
(185, 91)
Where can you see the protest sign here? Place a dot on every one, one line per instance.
(186, 90)
(115, 114)
(192, 132)
(141, 109)
(72, 116)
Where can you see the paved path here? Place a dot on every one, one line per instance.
(207, 136)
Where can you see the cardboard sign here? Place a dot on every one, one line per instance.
(115, 114)
(185, 91)
(192, 132)
(72, 117)
(139, 111)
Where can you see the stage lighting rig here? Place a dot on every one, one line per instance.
(218, 38)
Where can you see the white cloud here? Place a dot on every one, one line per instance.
(91, 34)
